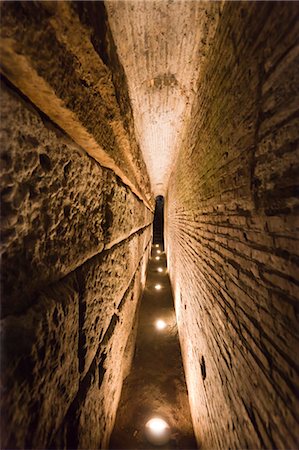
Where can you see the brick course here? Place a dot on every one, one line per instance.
(232, 233)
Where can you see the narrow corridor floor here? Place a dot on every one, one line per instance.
(156, 384)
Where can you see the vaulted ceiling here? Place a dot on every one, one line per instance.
(162, 46)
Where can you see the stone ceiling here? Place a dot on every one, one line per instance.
(162, 45)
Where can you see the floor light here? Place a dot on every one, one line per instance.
(160, 269)
(158, 287)
(157, 431)
(157, 258)
(160, 324)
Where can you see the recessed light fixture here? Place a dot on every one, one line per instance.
(157, 245)
(158, 287)
(158, 251)
(160, 324)
(157, 431)
(160, 269)
(157, 258)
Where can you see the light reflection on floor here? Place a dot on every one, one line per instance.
(156, 385)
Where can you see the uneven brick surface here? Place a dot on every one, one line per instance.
(232, 233)
(55, 201)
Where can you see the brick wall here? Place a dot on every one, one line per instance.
(75, 234)
(232, 233)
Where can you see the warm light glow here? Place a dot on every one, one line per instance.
(162, 88)
(160, 269)
(158, 287)
(157, 245)
(157, 431)
(160, 324)
(159, 251)
(157, 426)
(157, 258)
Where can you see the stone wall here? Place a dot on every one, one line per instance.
(61, 55)
(232, 233)
(76, 234)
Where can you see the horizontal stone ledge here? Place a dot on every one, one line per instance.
(43, 348)
(100, 389)
(84, 104)
(59, 206)
(104, 281)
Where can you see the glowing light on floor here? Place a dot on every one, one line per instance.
(157, 245)
(158, 287)
(157, 431)
(157, 258)
(160, 269)
(158, 251)
(160, 324)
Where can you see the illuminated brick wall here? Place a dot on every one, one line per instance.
(232, 233)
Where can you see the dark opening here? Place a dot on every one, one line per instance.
(203, 368)
(159, 221)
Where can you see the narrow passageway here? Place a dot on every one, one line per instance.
(108, 108)
(155, 387)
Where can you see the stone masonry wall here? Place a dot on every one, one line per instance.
(75, 242)
(232, 233)
(67, 67)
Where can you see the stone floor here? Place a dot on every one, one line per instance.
(156, 384)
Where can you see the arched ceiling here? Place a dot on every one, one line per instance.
(162, 46)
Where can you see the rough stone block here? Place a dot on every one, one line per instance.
(39, 47)
(39, 365)
(90, 419)
(59, 207)
(55, 355)
(103, 282)
(102, 399)
(124, 214)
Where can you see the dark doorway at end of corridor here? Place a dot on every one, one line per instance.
(159, 221)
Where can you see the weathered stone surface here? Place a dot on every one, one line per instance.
(90, 419)
(124, 213)
(55, 201)
(56, 351)
(39, 367)
(93, 15)
(103, 281)
(232, 233)
(75, 234)
(100, 404)
(48, 54)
